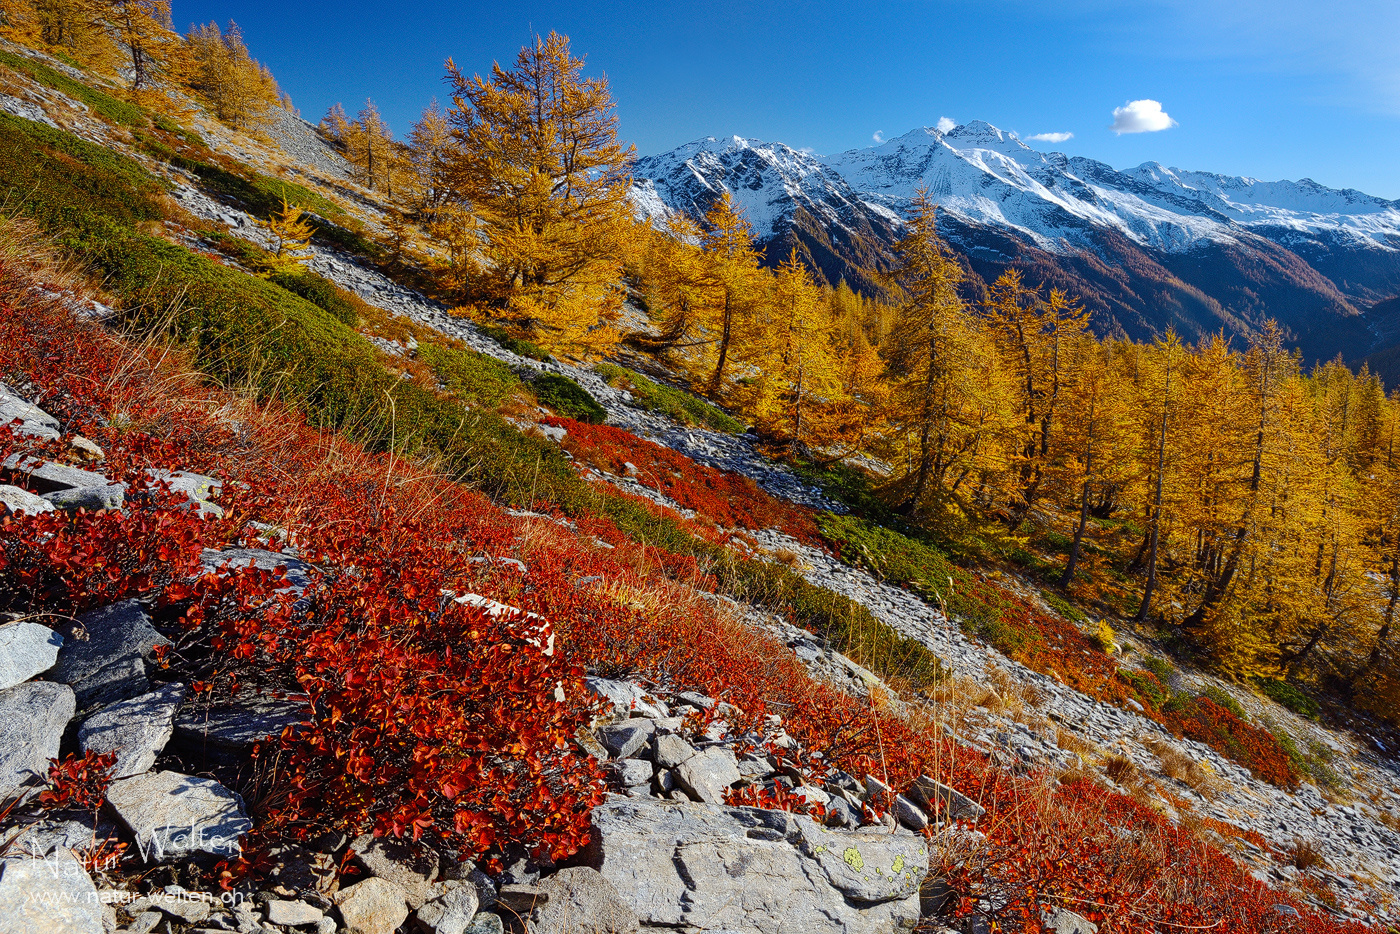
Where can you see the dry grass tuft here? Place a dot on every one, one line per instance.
(1073, 742)
(1121, 769)
(1181, 767)
(1305, 856)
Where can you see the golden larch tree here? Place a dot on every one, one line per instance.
(539, 165)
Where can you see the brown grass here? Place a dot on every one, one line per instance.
(1121, 769)
(1181, 767)
(1304, 856)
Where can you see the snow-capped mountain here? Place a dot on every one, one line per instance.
(1144, 248)
(791, 199)
(989, 177)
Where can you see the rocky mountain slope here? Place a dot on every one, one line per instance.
(715, 726)
(1144, 248)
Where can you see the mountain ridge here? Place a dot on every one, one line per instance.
(1146, 248)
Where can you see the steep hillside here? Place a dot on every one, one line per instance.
(323, 607)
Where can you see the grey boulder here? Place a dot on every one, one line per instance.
(48, 896)
(627, 738)
(755, 871)
(668, 750)
(942, 802)
(229, 729)
(26, 649)
(46, 476)
(453, 906)
(91, 498)
(23, 501)
(705, 776)
(34, 422)
(173, 815)
(580, 899)
(32, 719)
(297, 571)
(136, 729)
(1061, 921)
(104, 656)
(627, 698)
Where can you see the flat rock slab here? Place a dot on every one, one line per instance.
(32, 719)
(234, 727)
(755, 871)
(136, 729)
(45, 476)
(48, 896)
(174, 815)
(26, 649)
(104, 656)
(23, 501)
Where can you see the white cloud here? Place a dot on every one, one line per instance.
(878, 136)
(1051, 137)
(1143, 116)
(944, 124)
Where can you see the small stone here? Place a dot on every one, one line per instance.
(174, 815)
(707, 775)
(292, 914)
(486, 923)
(85, 449)
(411, 869)
(374, 906)
(451, 910)
(32, 719)
(23, 501)
(136, 729)
(669, 750)
(180, 904)
(26, 649)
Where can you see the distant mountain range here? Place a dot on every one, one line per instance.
(1144, 248)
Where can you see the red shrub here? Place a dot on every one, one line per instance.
(729, 500)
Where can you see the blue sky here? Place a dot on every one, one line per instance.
(1281, 89)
